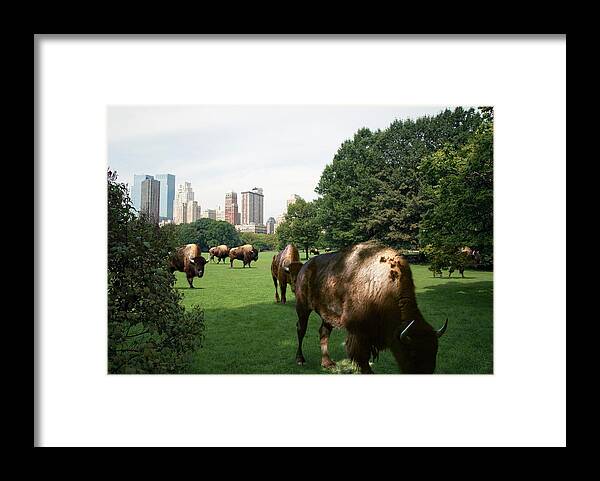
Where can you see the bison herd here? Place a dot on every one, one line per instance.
(367, 289)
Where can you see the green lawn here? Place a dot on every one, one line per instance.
(247, 333)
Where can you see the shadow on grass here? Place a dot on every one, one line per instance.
(260, 338)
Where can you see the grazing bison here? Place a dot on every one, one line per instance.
(245, 253)
(314, 251)
(368, 290)
(220, 252)
(187, 259)
(464, 258)
(284, 268)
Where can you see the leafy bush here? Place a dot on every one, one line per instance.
(148, 329)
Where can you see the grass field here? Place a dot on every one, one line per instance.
(248, 333)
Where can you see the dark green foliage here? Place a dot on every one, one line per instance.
(263, 242)
(301, 226)
(209, 233)
(374, 187)
(460, 191)
(148, 330)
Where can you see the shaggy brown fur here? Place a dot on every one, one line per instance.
(245, 253)
(188, 259)
(284, 268)
(220, 252)
(368, 290)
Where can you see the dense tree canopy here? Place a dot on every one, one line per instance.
(208, 233)
(424, 181)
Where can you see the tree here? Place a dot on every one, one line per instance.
(148, 330)
(209, 233)
(373, 189)
(301, 226)
(460, 186)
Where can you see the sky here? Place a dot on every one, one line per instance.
(282, 149)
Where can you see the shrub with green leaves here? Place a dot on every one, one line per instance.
(148, 329)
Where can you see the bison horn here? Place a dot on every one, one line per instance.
(286, 269)
(403, 334)
(441, 330)
(192, 260)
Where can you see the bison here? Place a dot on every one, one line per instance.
(245, 253)
(187, 259)
(220, 252)
(466, 257)
(367, 289)
(314, 251)
(284, 269)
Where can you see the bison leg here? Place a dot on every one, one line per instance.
(283, 287)
(359, 352)
(324, 332)
(190, 279)
(301, 326)
(462, 272)
(231, 264)
(276, 293)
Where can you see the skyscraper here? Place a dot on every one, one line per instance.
(252, 206)
(184, 195)
(193, 211)
(231, 208)
(136, 190)
(167, 195)
(271, 225)
(150, 199)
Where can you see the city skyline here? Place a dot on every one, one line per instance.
(219, 149)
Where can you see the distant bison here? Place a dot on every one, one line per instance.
(187, 259)
(314, 251)
(245, 253)
(367, 289)
(284, 269)
(220, 252)
(465, 258)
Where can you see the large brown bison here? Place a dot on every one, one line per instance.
(220, 252)
(368, 290)
(284, 269)
(188, 259)
(245, 253)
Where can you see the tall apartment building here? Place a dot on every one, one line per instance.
(192, 211)
(150, 199)
(271, 225)
(167, 195)
(231, 208)
(184, 195)
(136, 190)
(252, 206)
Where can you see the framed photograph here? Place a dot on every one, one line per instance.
(233, 231)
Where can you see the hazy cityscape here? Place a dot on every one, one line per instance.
(156, 197)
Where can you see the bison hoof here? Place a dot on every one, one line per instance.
(300, 361)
